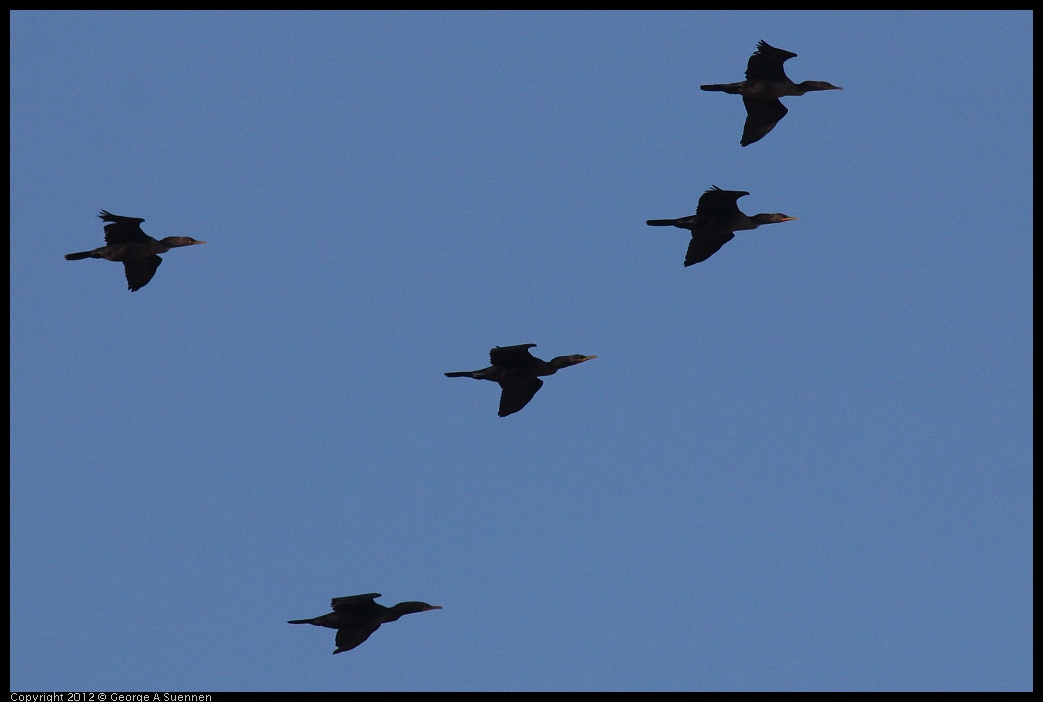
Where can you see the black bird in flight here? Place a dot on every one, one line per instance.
(765, 83)
(136, 250)
(517, 371)
(358, 616)
(716, 219)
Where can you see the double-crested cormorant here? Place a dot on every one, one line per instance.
(716, 218)
(517, 371)
(125, 242)
(765, 83)
(358, 616)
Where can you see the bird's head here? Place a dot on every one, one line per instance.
(810, 85)
(175, 241)
(566, 361)
(414, 607)
(773, 218)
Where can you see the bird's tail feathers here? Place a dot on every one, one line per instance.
(77, 256)
(730, 88)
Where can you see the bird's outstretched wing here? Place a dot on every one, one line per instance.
(761, 118)
(122, 230)
(516, 394)
(766, 63)
(348, 639)
(140, 271)
(339, 604)
(512, 356)
(701, 247)
(716, 203)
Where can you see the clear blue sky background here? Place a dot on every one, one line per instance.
(804, 464)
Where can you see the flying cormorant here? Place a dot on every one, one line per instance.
(765, 83)
(357, 616)
(716, 218)
(125, 242)
(517, 371)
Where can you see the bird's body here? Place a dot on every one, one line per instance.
(136, 250)
(356, 617)
(517, 371)
(766, 82)
(716, 219)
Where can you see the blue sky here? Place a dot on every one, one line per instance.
(804, 464)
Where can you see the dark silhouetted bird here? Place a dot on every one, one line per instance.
(765, 83)
(517, 371)
(136, 250)
(716, 218)
(358, 616)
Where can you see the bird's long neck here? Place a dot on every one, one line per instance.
(554, 365)
(753, 222)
